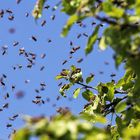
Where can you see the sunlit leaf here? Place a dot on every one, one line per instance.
(138, 7)
(90, 78)
(76, 92)
(121, 106)
(69, 24)
(59, 77)
(91, 40)
(22, 134)
(55, 128)
(112, 10)
(114, 133)
(95, 118)
(37, 12)
(102, 44)
(44, 137)
(87, 95)
(73, 68)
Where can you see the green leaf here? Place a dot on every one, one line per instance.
(114, 133)
(126, 81)
(59, 77)
(102, 44)
(44, 137)
(104, 89)
(118, 60)
(37, 12)
(87, 95)
(111, 90)
(132, 133)
(64, 88)
(90, 78)
(138, 7)
(120, 125)
(111, 10)
(22, 134)
(55, 126)
(95, 118)
(69, 24)
(70, 7)
(96, 103)
(73, 68)
(76, 92)
(91, 40)
(121, 106)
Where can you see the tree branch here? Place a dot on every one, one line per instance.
(86, 86)
(106, 20)
(113, 104)
(113, 22)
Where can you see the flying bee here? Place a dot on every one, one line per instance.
(29, 66)
(53, 17)
(9, 125)
(78, 36)
(6, 105)
(60, 84)
(49, 40)
(21, 51)
(43, 55)
(34, 38)
(18, 1)
(19, 66)
(43, 23)
(1, 13)
(36, 101)
(2, 83)
(13, 87)
(86, 35)
(9, 11)
(15, 116)
(93, 23)
(38, 97)
(11, 17)
(113, 75)
(36, 90)
(4, 76)
(27, 81)
(4, 49)
(71, 43)
(42, 68)
(80, 60)
(47, 7)
(6, 96)
(15, 43)
(64, 62)
(58, 97)
(26, 14)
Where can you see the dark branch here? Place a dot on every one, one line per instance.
(115, 103)
(86, 86)
(106, 20)
(113, 22)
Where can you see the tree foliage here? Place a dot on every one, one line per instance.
(122, 34)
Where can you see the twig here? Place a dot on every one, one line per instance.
(114, 103)
(113, 22)
(107, 20)
(86, 86)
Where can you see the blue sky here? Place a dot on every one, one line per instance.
(56, 52)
